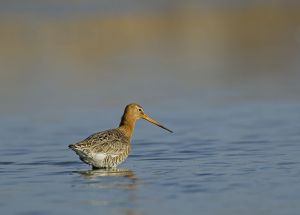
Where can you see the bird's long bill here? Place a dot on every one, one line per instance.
(146, 117)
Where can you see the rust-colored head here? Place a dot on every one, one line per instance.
(134, 112)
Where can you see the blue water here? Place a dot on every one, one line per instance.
(241, 158)
(223, 76)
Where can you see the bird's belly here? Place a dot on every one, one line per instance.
(107, 160)
(100, 157)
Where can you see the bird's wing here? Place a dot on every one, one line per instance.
(110, 142)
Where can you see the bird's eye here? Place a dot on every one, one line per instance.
(140, 110)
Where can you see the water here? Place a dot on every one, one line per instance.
(234, 160)
(224, 78)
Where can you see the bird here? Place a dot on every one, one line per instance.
(109, 148)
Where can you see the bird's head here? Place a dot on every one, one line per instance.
(135, 111)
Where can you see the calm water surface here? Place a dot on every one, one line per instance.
(223, 76)
(236, 159)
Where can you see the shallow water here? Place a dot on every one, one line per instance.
(223, 77)
(234, 160)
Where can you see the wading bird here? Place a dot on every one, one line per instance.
(109, 148)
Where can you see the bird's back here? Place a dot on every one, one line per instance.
(103, 149)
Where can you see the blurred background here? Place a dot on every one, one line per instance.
(98, 54)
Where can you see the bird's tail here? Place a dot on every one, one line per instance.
(72, 146)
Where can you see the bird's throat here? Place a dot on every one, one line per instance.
(127, 126)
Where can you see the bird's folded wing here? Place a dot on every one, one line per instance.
(111, 142)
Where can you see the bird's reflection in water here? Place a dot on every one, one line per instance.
(105, 180)
(94, 173)
(122, 181)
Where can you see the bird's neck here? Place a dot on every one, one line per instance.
(127, 126)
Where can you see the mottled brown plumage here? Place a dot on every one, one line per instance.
(109, 148)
